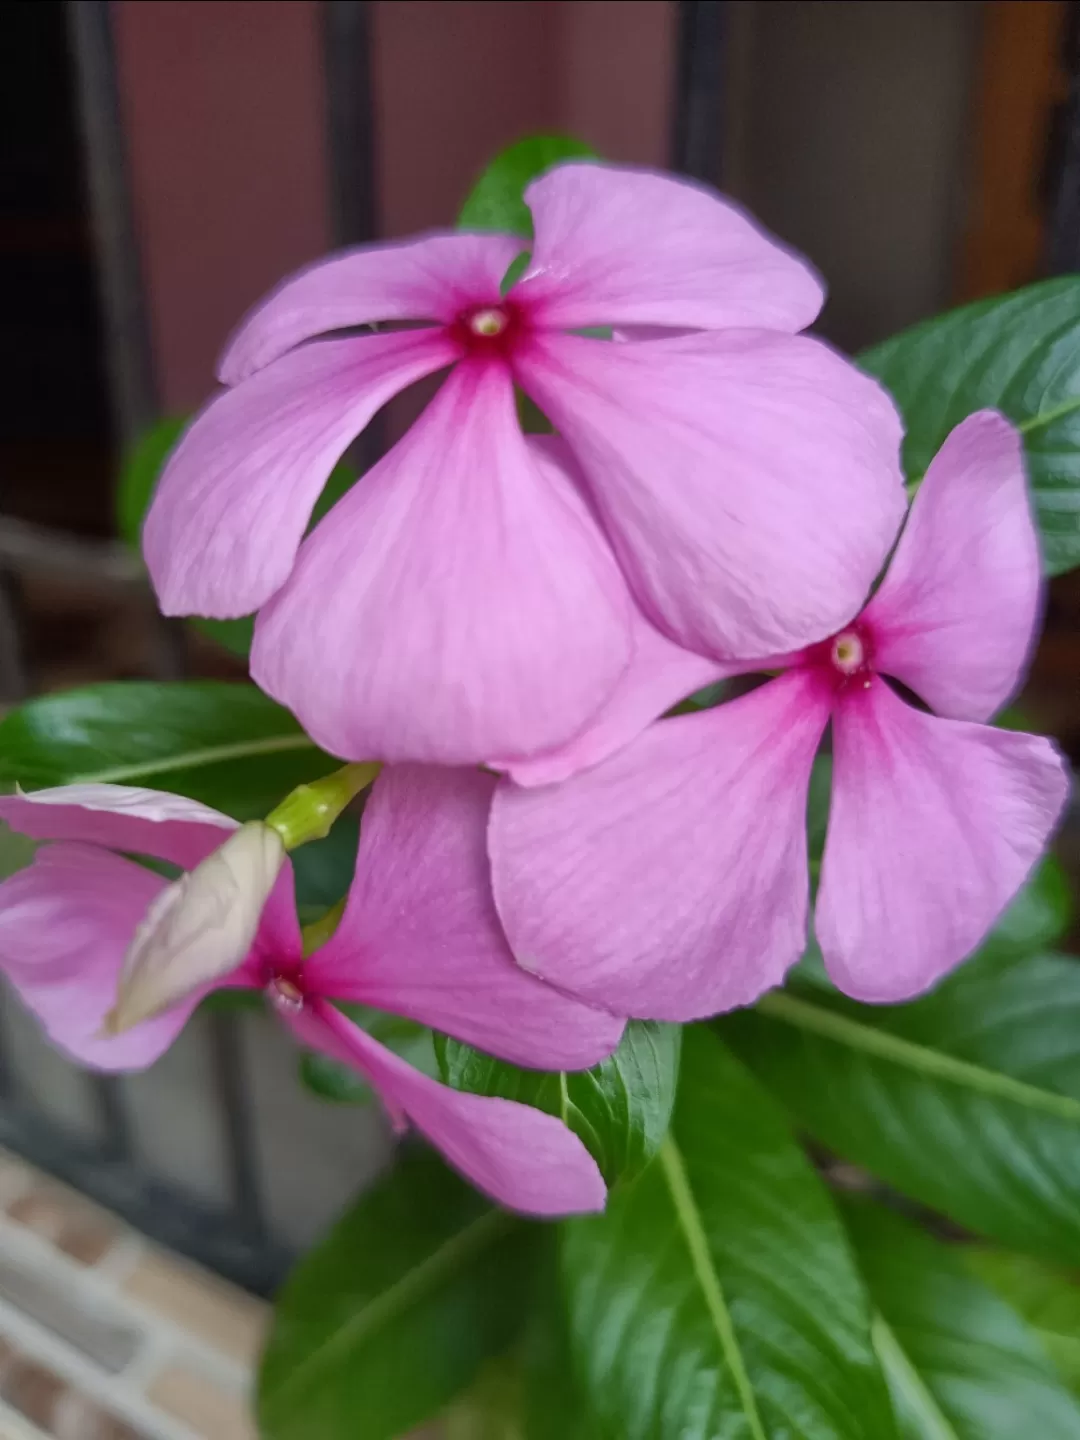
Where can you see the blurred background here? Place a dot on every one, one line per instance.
(163, 164)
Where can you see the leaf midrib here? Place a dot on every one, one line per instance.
(910, 1055)
(689, 1218)
(193, 759)
(895, 1362)
(386, 1306)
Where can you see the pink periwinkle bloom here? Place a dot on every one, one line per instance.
(670, 880)
(457, 604)
(419, 937)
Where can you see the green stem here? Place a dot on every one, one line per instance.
(308, 812)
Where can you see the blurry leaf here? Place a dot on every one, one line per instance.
(961, 1364)
(16, 851)
(226, 745)
(331, 1080)
(1038, 918)
(1048, 1301)
(491, 1408)
(495, 201)
(141, 467)
(717, 1296)
(620, 1108)
(324, 869)
(817, 805)
(234, 635)
(553, 1404)
(1019, 354)
(138, 480)
(392, 1314)
(967, 1100)
(230, 1001)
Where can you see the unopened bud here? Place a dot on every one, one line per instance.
(200, 927)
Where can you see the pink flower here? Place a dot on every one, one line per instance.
(460, 602)
(671, 880)
(419, 937)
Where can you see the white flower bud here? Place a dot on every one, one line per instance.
(200, 927)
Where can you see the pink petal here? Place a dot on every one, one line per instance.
(453, 606)
(659, 676)
(955, 616)
(934, 826)
(420, 936)
(670, 882)
(617, 245)
(233, 501)
(65, 923)
(433, 278)
(121, 817)
(521, 1157)
(750, 482)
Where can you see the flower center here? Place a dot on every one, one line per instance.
(488, 331)
(848, 652)
(285, 993)
(488, 323)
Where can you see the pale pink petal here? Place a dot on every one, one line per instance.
(420, 936)
(521, 1157)
(433, 278)
(618, 245)
(750, 482)
(670, 882)
(453, 606)
(121, 817)
(660, 674)
(65, 924)
(235, 497)
(955, 616)
(934, 826)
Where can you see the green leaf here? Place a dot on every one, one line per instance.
(620, 1108)
(16, 851)
(330, 1080)
(496, 200)
(139, 473)
(324, 869)
(961, 1364)
(490, 1409)
(1020, 354)
(227, 745)
(554, 1407)
(968, 1100)
(1038, 918)
(394, 1311)
(717, 1296)
(234, 635)
(1048, 1301)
